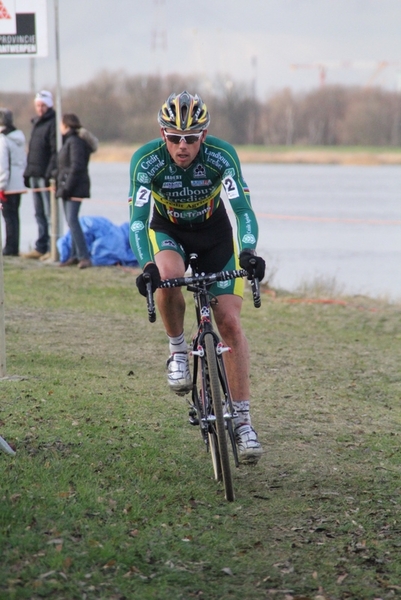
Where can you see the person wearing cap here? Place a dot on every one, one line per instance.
(12, 165)
(41, 167)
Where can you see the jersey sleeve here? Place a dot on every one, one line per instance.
(139, 199)
(238, 194)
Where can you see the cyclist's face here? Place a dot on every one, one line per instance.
(183, 153)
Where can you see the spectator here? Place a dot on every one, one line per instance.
(73, 183)
(41, 167)
(12, 165)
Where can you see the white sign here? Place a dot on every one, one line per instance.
(23, 28)
(7, 16)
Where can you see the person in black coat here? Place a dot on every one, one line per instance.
(73, 183)
(41, 167)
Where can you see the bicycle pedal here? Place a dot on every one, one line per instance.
(193, 417)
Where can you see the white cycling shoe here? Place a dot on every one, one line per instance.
(249, 448)
(178, 374)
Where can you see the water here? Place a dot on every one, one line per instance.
(317, 222)
(352, 227)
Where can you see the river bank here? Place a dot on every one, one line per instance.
(279, 155)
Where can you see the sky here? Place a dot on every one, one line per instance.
(252, 42)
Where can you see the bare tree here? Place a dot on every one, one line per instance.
(118, 107)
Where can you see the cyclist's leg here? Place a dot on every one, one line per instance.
(227, 316)
(169, 257)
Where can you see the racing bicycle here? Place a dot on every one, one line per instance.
(210, 406)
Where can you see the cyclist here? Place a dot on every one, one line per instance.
(184, 172)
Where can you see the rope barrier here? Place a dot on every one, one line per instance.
(273, 216)
(331, 219)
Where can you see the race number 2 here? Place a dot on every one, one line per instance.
(231, 187)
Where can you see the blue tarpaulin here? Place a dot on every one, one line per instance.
(108, 244)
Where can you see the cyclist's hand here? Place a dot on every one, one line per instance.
(3, 197)
(255, 265)
(151, 270)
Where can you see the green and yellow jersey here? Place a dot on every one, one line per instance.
(188, 196)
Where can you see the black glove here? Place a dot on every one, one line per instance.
(255, 265)
(152, 270)
(65, 194)
(26, 182)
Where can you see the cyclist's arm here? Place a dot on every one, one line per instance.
(140, 196)
(239, 197)
(247, 225)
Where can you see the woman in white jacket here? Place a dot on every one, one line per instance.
(12, 166)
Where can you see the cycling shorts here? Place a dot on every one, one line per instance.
(211, 240)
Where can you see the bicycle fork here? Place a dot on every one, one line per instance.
(204, 409)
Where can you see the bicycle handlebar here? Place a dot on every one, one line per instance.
(149, 298)
(209, 278)
(196, 280)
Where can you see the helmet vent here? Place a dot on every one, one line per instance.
(184, 112)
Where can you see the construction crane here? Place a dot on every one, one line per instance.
(159, 32)
(323, 66)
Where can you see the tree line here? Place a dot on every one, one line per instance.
(118, 107)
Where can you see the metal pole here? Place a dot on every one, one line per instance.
(58, 76)
(32, 75)
(54, 221)
(6, 447)
(2, 316)
(57, 218)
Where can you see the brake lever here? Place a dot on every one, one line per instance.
(255, 286)
(149, 298)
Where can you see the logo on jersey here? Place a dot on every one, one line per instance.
(223, 284)
(137, 226)
(143, 178)
(170, 185)
(152, 164)
(195, 183)
(168, 244)
(142, 196)
(216, 159)
(249, 239)
(187, 214)
(229, 173)
(199, 171)
(231, 187)
(172, 169)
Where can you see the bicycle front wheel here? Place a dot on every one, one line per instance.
(217, 400)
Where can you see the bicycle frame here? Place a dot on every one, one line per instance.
(204, 406)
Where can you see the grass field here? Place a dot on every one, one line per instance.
(110, 495)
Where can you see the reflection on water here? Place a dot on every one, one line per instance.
(316, 221)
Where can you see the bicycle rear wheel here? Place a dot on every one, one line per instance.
(222, 455)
